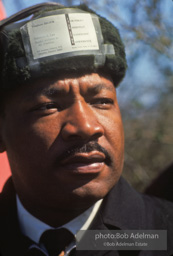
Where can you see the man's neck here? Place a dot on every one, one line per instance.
(55, 217)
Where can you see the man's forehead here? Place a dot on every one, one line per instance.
(62, 86)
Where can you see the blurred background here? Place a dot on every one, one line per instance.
(146, 94)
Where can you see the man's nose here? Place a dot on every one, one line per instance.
(81, 123)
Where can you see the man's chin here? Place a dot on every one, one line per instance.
(85, 196)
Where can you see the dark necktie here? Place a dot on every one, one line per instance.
(56, 240)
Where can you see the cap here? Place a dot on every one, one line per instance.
(57, 40)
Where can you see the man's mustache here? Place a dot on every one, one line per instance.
(85, 148)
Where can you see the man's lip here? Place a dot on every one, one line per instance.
(84, 158)
(84, 163)
(81, 168)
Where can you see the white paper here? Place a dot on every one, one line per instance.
(63, 33)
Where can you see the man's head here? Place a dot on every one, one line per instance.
(63, 133)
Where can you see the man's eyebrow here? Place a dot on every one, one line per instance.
(98, 87)
(49, 92)
(53, 92)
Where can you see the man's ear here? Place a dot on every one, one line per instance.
(2, 144)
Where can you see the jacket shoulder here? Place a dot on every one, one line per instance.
(159, 215)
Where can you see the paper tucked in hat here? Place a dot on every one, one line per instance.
(58, 40)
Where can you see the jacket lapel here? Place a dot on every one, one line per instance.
(113, 216)
(122, 204)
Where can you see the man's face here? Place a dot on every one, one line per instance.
(64, 140)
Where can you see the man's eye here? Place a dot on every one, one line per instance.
(102, 102)
(47, 107)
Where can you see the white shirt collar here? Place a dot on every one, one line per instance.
(33, 228)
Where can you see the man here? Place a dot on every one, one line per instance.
(61, 127)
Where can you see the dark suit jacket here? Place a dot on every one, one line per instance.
(123, 208)
(162, 185)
